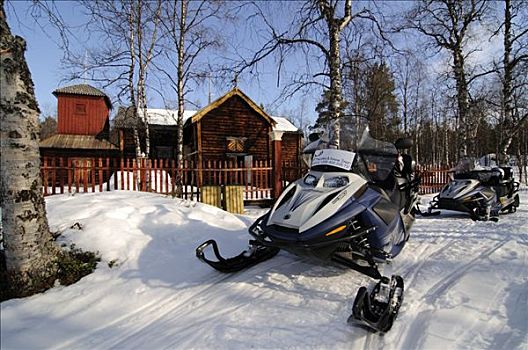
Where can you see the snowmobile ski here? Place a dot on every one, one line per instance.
(378, 310)
(255, 254)
(429, 211)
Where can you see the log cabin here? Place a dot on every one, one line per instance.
(233, 127)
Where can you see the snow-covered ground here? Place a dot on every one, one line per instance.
(466, 285)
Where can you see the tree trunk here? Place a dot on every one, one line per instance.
(180, 89)
(507, 86)
(462, 103)
(29, 251)
(335, 84)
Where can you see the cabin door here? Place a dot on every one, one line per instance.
(82, 170)
(248, 163)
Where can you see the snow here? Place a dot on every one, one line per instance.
(466, 285)
(159, 116)
(284, 125)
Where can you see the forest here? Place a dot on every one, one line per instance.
(452, 75)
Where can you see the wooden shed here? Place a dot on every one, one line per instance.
(82, 127)
(82, 110)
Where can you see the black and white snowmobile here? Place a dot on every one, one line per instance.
(353, 208)
(483, 192)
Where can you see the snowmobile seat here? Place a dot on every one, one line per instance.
(485, 177)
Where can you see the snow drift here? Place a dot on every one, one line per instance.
(466, 285)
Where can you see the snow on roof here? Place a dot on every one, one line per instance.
(160, 116)
(284, 124)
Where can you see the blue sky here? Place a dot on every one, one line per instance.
(44, 59)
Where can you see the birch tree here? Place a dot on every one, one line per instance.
(317, 27)
(187, 37)
(127, 33)
(514, 82)
(448, 23)
(29, 251)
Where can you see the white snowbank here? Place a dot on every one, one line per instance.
(466, 285)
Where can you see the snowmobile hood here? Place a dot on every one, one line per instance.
(313, 199)
(457, 189)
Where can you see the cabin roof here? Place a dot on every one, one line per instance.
(83, 89)
(157, 116)
(167, 117)
(125, 118)
(67, 141)
(218, 102)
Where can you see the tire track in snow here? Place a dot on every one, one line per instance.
(418, 327)
(128, 341)
(376, 341)
(411, 276)
(439, 287)
(430, 295)
(154, 314)
(150, 308)
(153, 309)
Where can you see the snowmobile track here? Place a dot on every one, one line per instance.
(148, 309)
(439, 287)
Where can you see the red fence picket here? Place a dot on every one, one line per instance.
(433, 179)
(81, 175)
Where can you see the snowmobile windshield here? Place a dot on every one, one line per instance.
(332, 160)
(377, 158)
(470, 168)
(465, 165)
(470, 164)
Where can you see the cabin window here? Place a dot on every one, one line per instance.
(80, 108)
(236, 144)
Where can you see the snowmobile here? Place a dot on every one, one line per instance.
(483, 192)
(353, 208)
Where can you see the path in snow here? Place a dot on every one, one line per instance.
(466, 285)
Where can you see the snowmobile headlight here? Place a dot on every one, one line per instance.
(310, 180)
(337, 181)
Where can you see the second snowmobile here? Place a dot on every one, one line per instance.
(483, 192)
(353, 208)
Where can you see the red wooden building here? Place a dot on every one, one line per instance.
(82, 127)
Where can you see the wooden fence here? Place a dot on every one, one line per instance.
(433, 179)
(152, 175)
(81, 175)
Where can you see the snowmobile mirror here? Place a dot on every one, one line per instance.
(314, 136)
(403, 143)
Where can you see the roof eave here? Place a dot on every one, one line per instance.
(218, 102)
